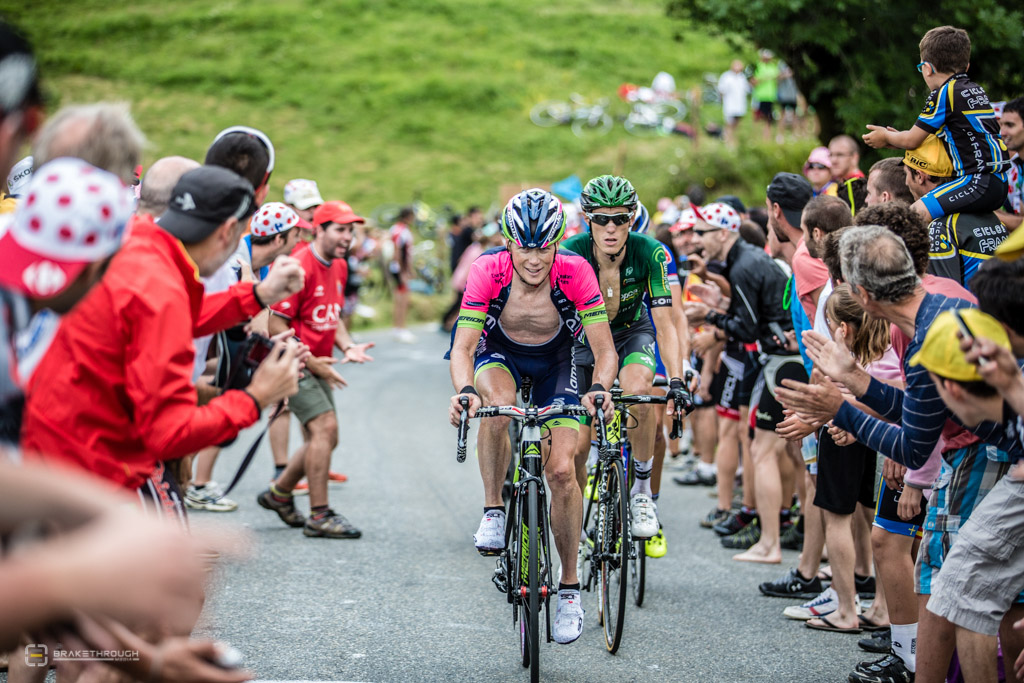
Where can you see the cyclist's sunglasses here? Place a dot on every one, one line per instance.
(605, 218)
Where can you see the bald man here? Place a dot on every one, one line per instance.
(160, 179)
(845, 158)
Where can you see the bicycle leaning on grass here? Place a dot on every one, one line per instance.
(524, 569)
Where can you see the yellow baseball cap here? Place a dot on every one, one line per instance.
(931, 158)
(1012, 248)
(940, 353)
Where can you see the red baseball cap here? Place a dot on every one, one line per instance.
(335, 212)
(72, 214)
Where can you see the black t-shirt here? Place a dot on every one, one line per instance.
(460, 242)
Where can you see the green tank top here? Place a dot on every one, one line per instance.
(644, 270)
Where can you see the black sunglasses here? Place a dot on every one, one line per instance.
(704, 232)
(605, 218)
(818, 167)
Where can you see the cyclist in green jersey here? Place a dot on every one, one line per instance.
(628, 266)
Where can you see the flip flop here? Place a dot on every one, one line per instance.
(825, 573)
(829, 626)
(869, 625)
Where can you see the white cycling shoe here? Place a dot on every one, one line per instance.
(490, 536)
(568, 624)
(644, 516)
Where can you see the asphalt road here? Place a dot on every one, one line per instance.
(412, 600)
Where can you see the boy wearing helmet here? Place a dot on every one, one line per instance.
(523, 307)
(628, 266)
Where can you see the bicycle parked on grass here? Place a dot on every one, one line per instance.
(583, 117)
(609, 540)
(524, 570)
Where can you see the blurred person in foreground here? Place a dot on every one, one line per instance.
(103, 134)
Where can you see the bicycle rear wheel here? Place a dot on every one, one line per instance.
(638, 571)
(614, 556)
(592, 125)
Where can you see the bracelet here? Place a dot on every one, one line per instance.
(596, 387)
(256, 296)
(469, 389)
(350, 345)
(259, 408)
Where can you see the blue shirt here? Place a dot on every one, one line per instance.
(264, 270)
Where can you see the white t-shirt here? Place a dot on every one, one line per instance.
(218, 282)
(820, 326)
(734, 88)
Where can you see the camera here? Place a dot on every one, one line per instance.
(246, 358)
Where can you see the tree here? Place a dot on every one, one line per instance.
(854, 60)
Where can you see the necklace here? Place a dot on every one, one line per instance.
(611, 292)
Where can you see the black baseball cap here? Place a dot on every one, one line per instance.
(733, 201)
(204, 198)
(791, 192)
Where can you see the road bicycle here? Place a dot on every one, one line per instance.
(583, 117)
(524, 570)
(648, 119)
(607, 520)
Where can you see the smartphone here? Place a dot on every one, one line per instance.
(685, 266)
(778, 332)
(966, 332)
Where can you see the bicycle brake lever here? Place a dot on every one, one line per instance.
(460, 454)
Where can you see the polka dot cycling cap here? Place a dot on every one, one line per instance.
(721, 216)
(272, 218)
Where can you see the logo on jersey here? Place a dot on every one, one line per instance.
(319, 291)
(326, 313)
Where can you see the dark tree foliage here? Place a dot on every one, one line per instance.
(855, 60)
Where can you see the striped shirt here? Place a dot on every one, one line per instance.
(918, 412)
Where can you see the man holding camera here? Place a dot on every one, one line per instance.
(314, 315)
(118, 398)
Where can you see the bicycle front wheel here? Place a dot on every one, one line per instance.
(592, 125)
(551, 113)
(529, 624)
(614, 555)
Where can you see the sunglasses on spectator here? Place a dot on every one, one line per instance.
(704, 232)
(816, 167)
(605, 218)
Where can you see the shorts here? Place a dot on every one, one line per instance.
(766, 110)
(976, 193)
(751, 370)
(846, 476)
(400, 284)
(768, 413)
(551, 366)
(160, 495)
(984, 572)
(887, 517)
(788, 105)
(966, 477)
(634, 345)
(728, 379)
(315, 397)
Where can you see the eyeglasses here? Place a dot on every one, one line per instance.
(604, 218)
(816, 167)
(920, 67)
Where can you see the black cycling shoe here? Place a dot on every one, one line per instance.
(865, 586)
(879, 641)
(695, 478)
(792, 585)
(731, 525)
(714, 517)
(888, 669)
(744, 538)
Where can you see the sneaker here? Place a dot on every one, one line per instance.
(695, 478)
(791, 538)
(301, 489)
(865, 586)
(286, 511)
(568, 624)
(744, 538)
(714, 517)
(490, 536)
(823, 605)
(404, 336)
(330, 525)
(792, 585)
(879, 641)
(656, 545)
(337, 476)
(644, 516)
(590, 490)
(209, 497)
(732, 524)
(888, 669)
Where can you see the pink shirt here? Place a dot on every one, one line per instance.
(810, 274)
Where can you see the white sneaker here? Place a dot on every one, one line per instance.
(568, 624)
(404, 336)
(826, 603)
(210, 497)
(644, 515)
(490, 536)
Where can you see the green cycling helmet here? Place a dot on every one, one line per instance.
(608, 191)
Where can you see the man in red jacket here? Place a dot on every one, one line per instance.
(114, 394)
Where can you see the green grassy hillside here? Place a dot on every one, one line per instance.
(381, 100)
